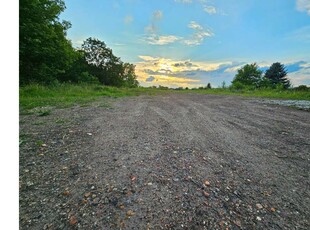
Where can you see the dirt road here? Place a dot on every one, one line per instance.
(166, 162)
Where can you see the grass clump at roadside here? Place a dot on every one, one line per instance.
(66, 95)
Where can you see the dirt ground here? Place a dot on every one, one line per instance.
(166, 162)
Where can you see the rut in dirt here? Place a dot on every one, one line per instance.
(168, 162)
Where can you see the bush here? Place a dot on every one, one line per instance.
(302, 88)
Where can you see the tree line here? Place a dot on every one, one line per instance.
(251, 77)
(46, 56)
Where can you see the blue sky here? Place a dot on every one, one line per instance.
(189, 43)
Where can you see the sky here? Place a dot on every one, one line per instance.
(190, 43)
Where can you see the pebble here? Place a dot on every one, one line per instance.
(150, 183)
(96, 201)
(259, 206)
(258, 218)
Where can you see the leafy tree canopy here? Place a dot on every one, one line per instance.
(43, 48)
(108, 68)
(248, 75)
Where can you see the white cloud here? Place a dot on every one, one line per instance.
(210, 9)
(199, 35)
(161, 40)
(303, 5)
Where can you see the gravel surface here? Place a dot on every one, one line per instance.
(300, 104)
(166, 162)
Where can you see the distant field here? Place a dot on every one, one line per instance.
(65, 95)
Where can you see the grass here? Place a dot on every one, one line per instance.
(66, 95)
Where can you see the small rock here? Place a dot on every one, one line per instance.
(96, 201)
(73, 220)
(44, 145)
(106, 201)
(150, 183)
(207, 183)
(273, 209)
(259, 206)
(130, 213)
(84, 201)
(238, 223)
(66, 193)
(29, 183)
(89, 134)
(206, 194)
(258, 218)
(92, 187)
(87, 194)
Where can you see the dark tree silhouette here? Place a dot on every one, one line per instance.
(276, 74)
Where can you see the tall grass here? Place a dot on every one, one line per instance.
(65, 95)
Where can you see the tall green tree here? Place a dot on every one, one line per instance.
(44, 51)
(248, 75)
(108, 68)
(276, 74)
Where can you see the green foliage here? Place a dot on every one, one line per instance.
(277, 75)
(44, 51)
(302, 88)
(47, 57)
(248, 75)
(237, 86)
(109, 69)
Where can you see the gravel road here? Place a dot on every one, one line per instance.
(177, 161)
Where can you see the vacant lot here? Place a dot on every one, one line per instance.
(166, 162)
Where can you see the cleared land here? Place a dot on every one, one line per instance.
(176, 161)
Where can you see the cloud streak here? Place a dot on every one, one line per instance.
(303, 5)
(161, 40)
(210, 9)
(199, 34)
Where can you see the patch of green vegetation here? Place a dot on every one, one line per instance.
(39, 123)
(67, 95)
(44, 112)
(39, 143)
(61, 121)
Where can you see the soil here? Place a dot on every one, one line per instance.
(176, 161)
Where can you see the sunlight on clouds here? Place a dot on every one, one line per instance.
(172, 73)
